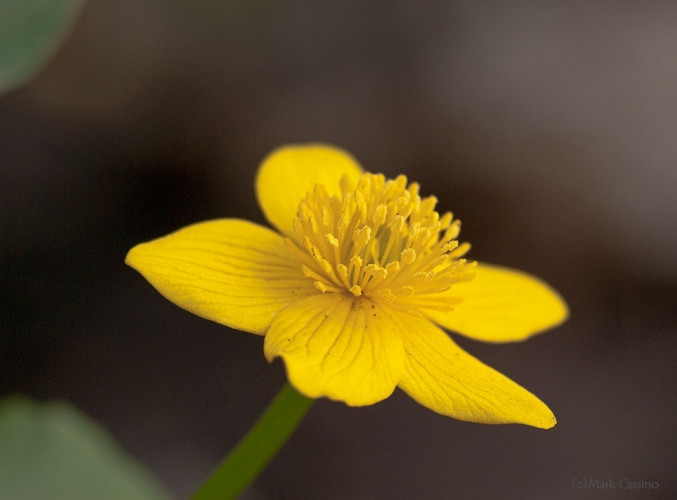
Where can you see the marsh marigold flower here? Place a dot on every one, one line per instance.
(352, 291)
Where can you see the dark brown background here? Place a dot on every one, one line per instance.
(547, 127)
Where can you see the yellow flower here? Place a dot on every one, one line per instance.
(352, 294)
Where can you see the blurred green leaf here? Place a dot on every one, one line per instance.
(30, 31)
(52, 451)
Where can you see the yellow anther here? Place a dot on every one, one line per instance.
(342, 272)
(453, 230)
(428, 204)
(326, 267)
(331, 239)
(401, 182)
(448, 247)
(307, 244)
(361, 236)
(346, 184)
(326, 217)
(320, 192)
(407, 257)
(398, 224)
(462, 249)
(413, 189)
(386, 295)
(393, 267)
(445, 220)
(380, 215)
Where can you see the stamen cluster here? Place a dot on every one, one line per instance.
(379, 239)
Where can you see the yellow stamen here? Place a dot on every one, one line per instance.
(380, 240)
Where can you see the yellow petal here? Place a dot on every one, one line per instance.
(502, 305)
(289, 172)
(443, 377)
(230, 271)
(338, 346)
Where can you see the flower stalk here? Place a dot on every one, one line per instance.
(251, 455)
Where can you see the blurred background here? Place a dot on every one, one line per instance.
(547, 127)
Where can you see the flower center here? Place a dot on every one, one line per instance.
(379, 239)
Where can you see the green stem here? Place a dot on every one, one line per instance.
(250, 456)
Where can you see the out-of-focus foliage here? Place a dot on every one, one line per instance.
(51, 450)
(30, 31)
